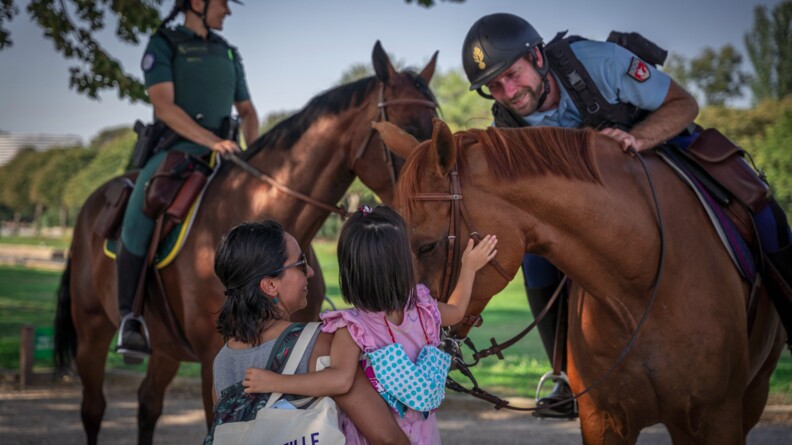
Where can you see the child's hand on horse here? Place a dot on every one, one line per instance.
(476, 256)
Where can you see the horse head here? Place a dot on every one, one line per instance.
(441, 196)
(406, 101)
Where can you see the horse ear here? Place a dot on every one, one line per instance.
(381, 62)
(429, 69)
(444, 150)
(396, 139)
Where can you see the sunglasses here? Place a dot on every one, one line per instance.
(301, 262)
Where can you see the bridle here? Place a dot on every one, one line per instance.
(458, 216)
(382, 115)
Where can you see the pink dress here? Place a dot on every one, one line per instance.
(370, 332)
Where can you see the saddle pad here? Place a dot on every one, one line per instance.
(174, 241)
(730, 237)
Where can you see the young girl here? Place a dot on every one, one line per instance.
(392, 318)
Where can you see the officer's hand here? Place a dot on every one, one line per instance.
(626, 140)
(226, 146)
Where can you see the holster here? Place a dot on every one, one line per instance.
(725, 163)
(164, 188)
(152, 138)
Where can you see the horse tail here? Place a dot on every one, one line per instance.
(65, 334)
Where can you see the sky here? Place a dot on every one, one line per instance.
(295, 49)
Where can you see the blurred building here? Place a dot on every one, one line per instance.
(11, 143)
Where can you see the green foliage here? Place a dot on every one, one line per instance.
(769, 46)
(17, 177)
(775, 158)
(110, 161)
(49, 182)
(461, 109)
(716, 75)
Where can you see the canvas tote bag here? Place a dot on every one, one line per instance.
(317, 423)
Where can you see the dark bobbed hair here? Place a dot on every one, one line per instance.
(245, 255)
(375, 268)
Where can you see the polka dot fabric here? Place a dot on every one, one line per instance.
(419, 385)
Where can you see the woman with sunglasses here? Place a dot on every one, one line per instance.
(266, 278)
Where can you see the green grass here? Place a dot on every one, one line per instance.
(28, 296)
(58, 243)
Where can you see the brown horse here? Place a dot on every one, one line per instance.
(574, 197)
(318, 152)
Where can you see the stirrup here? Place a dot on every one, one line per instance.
(133, 356)
(549, 375)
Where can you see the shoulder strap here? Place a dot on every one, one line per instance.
(595, 111)
(294, 358)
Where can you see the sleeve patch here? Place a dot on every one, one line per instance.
(639, 70)
(148, 62)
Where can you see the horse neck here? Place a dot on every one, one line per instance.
(316, 166)
(581, 226)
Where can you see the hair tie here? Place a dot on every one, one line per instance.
(365, 210)
(227, 292)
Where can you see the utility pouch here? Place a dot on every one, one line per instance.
(189, 191)
(725, 162)
(164, 185)
(639, 45)
(116, 196)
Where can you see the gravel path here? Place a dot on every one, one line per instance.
(49, 414)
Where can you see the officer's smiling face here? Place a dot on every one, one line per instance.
(518, 87)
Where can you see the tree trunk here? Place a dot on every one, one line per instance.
(37, 218)
(17, 223)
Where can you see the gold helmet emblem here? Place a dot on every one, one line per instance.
(478, 57)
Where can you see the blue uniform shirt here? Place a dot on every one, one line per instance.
(608, 64)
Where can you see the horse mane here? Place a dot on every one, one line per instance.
(511, 154)
(333, 101)
(515, 153)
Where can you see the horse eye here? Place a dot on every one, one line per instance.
(426, 248)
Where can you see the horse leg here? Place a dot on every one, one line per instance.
(160, 372)
(605, 428)
(93, 343)
(712, 424)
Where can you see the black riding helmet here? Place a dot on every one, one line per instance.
(493, 44)
(184, 5)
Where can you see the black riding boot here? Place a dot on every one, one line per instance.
(781, 293)
(537, 299)
(133, 336)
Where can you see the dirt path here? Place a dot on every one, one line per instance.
(49, 414)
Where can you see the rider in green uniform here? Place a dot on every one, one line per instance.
(193, 78)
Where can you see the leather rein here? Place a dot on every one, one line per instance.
(382, 115)
(452, 345)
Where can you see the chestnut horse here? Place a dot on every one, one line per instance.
(575, 198)
(318, 152)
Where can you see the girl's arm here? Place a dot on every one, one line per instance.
(473, 259)
(331, 381)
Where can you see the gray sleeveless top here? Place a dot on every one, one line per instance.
(230, 364)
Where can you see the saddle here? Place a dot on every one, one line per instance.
(732, 192)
